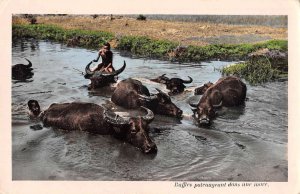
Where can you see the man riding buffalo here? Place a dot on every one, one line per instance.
(107, 59)
(104, 73)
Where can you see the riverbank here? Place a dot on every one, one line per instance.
(165, 40)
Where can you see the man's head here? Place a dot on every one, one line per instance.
(106, 46)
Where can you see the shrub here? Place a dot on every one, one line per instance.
(255, 71)
(141, 17)
(146, 47)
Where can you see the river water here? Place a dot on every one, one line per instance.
(247, 143)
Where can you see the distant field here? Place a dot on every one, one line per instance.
(264, 20)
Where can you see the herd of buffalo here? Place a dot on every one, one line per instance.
(132, 94)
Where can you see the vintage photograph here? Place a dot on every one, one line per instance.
(149, 97)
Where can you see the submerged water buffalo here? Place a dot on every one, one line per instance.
(100, 79)
(22, 72)
(131, 93)
(200, 90)
(175, 85)
(95, 119)
(227, 91)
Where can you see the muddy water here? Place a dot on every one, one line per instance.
(243, 144)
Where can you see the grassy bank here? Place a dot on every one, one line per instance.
(143, 46)
(82, 38)
(227, 51)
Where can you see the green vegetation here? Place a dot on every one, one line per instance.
(162, 49)
(89, 39)
(227, 51)
(255, 71)
(146, 47)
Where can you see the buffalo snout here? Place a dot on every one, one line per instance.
(149, 147)
(204, 121)
(142, 140)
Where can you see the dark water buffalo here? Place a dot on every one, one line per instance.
(22, 72)
(228, 91)
(95, 119)
(175, 85)
(131, 93)
(101, 79)
(200, 90)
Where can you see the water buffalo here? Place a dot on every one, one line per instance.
(95, 119)
(200, 90)
(22, 72)
(100, 79)
(131, 93)
(175, 85)
(227, 91)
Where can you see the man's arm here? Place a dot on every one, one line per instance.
(96, 60)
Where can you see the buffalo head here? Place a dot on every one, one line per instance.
(200, 90)
(100, 79)
(175, 85)
(160, 79)
(204, 112)
(22, 72)
(161, 103)
(34, 107)
(134, 129)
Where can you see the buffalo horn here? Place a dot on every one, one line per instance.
(150, 116)
(29, 63)
(115, 73)
(164, 77)
(193, 105)
(147, 98)
(87, 69)
(187, 81)
(218, 105)
(114, 119)
(161, 91)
